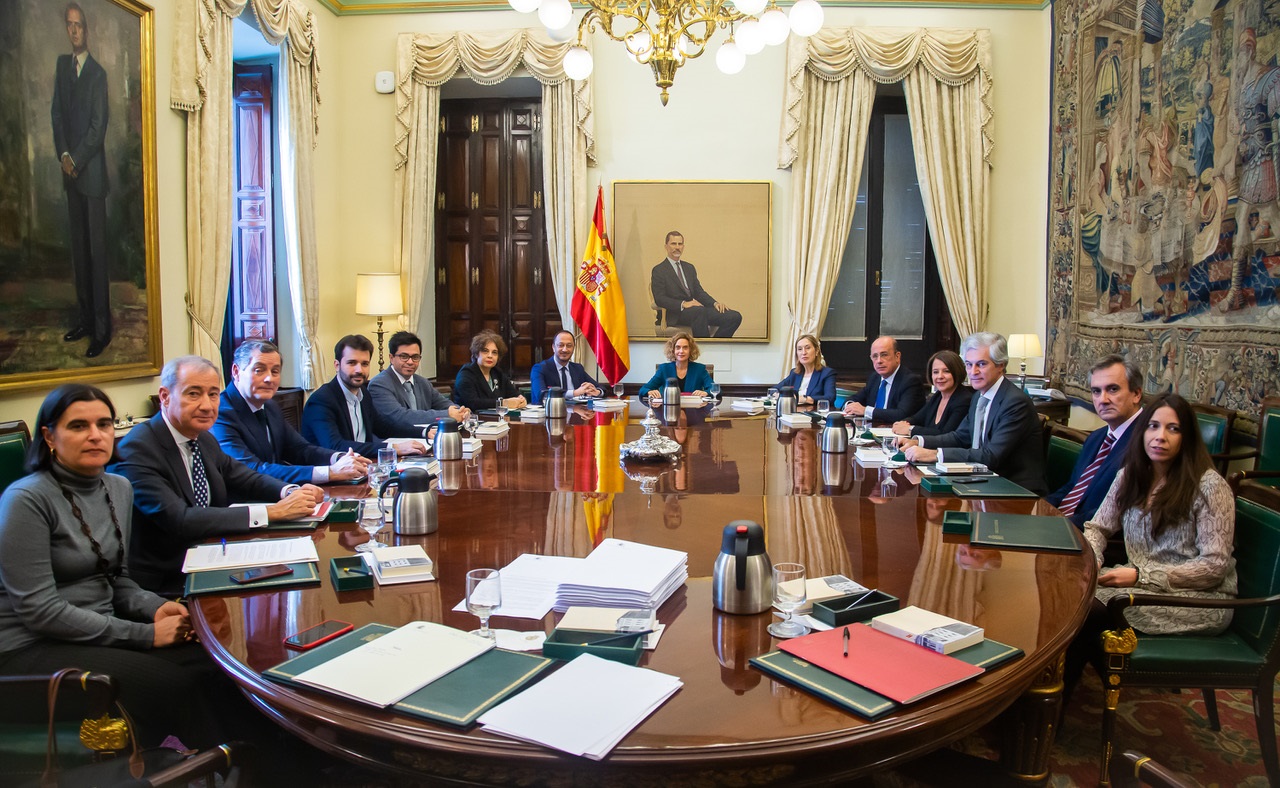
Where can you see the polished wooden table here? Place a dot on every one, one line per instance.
(729, 723)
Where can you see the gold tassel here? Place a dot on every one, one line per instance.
(104, 734)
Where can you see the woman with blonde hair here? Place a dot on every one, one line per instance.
(682, 352)
(811, 379)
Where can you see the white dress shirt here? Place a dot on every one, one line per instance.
(887, 383)
(257, 511)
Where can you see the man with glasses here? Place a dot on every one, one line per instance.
(893, 396)
(562, 371)
(404, 400)
(1002, 430)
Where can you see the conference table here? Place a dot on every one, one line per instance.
(558, 489)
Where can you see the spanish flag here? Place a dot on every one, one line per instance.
(598, 308)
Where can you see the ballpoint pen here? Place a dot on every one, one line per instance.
(224, 546)
(846, 641)
(613, 638)
(855, 602)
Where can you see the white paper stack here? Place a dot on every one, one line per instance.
(585, 708)
(493, 429)
(869, 455)
(747, 405)
(624, 574)
(471, 446)
(691, 401)
(531, 413)
(609, 404)
(251, 553)
(796, 420)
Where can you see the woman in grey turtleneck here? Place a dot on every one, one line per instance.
(66, 599)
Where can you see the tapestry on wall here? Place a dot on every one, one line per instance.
(1164, 217)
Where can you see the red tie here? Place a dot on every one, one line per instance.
(1069, 504)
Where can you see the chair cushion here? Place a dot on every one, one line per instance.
(1061, 460)
(13, 451)
(1209, 655)
(1213, 428)
(1269, 445)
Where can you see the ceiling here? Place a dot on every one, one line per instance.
(353, 7)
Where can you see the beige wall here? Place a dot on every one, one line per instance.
(715, 127)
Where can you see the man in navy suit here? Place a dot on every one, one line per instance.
(79, 129)
(893, 396)
(183, 484)
(676, 289)
(562, 371)
(1002, 430)
(340, 414)
(251, 427)
(1116, 385)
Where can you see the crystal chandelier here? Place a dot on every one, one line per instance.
(666, 33)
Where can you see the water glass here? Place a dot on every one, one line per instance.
(888, 486)
(618, 389)
(788, 594)
(371, 525)
(484, 595)
(890, 446)
(714, 391)
(501, 407)
(824, 407)
(773, 394)
(386, 460)
(472, 423)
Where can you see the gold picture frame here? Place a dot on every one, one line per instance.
(77, 234)
(728, 235)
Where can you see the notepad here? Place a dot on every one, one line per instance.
(934, 631)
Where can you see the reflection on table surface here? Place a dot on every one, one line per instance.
(726, 709)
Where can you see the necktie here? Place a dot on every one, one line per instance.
(413, 398)
(683, 281)
(199, 480)
(1073, 499)
(261, 416)
(980, 421)
(882, 396)
(564, 379)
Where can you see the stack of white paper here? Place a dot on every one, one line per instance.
(254, 552)
(471, 446)
(869, 455)
(747, 405)
(533, 413)
(624, 574)
(797, 420)
(493, 429)
(585, 708)
(609, 404)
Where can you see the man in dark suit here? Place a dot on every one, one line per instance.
(183, 484)
(896, 394)
(251, 427)
(562, 371)
(1116, 385)
(1002, 430)
(340, 414)
(402, 398)
(79, 130)
(676, 289)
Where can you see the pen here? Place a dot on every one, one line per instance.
(613, 638)
(355, 570)
(224, 546)
(857, 601)
(971, 481)
(846, 641)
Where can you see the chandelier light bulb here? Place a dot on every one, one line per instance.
(640, 42)
(749, 7)
(775, 26)
(555, 14)
(806, 17)
(730, 58)
(750, 37)
(563, 34)
(525, 6)
(685, 46)
(577, 62)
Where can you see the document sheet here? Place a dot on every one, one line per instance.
(254, 552)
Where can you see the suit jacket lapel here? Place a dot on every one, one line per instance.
(173, 455)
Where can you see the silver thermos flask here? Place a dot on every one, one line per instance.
(413, 510)
(555, 403)
(786, 401)
(742, 581)
(835, 436)
(448, 444)
(671, 392)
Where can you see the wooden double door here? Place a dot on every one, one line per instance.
(491, 253)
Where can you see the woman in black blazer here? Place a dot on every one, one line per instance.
(947, 406)
(480, 383)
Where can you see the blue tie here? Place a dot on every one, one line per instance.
(882, 394)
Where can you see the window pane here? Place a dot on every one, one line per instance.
(902, 261)
(847, 310)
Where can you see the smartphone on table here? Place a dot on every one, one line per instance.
(261, 573)
(320, 633)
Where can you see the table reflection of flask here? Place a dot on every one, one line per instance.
(736, 639)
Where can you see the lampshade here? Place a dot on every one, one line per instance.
(378, 294)
(1025, 346)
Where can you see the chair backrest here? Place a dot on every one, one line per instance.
(1258, 568)
(14, 439)
(1065, 444)
(1268, 436)
(1215, 426)
(290, 401)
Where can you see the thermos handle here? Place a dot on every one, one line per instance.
(383, 491)
(740, 559)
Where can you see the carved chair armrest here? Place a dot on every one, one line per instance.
(216, 759)
(1118, 604)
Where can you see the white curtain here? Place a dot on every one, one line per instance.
(947, 79)
(201, 87)
(424, 62)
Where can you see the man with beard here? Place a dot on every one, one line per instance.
(340, 414)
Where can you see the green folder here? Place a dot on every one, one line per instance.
(1026, 531)
(989, 487)
(456, 698)
(852, 697)
(307, 525)
(218, 580)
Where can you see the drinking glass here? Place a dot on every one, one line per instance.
(890, 443)
(788, 594)
(714, 391)
(472, 423)
(773, 395)
(824, 407)
(502, 407)
(618, 389)
(888, 487)
(372, 523)
(386, 460)
(484, 594)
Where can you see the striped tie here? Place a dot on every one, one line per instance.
(1073, 499)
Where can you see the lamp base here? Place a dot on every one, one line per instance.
(382, 362)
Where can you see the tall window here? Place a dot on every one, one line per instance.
(888, 282)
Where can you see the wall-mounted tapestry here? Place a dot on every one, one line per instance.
(1164, 185)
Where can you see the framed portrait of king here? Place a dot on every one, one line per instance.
(694, 256)
(79, 265)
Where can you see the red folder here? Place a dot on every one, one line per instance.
(884, 664)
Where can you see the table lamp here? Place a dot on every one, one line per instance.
(379, 294)
(1025, 346)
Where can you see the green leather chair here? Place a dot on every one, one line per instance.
(1215, 427)
(14, 439)
(1064, 448)
(1266, 458)
(1246, 656)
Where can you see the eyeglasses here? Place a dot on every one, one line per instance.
(407, 357)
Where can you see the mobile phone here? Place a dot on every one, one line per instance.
(261, 573)
(320, 633)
